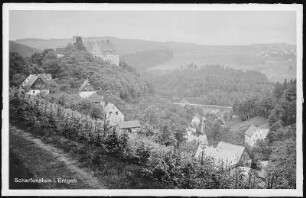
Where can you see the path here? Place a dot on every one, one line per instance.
(48, 162)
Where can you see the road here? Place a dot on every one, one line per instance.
(41, 160)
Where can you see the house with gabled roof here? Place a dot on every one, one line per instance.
(112, 114)
(253, 134)
(225, 155)
(37, 83)
(130, 126)
(86, 89)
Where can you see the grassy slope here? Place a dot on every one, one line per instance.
(113, 171)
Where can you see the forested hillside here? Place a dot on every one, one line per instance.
(212, 84)
(78, 64)
(22, 50)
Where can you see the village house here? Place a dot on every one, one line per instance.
(60, 52)
(253, 134)
(104, 50)
(112, 114)
(191, 133)
(37, 84)
(195, 121)
(86, 89)
(225, 155)
(129, 126)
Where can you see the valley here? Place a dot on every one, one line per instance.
(276, 61)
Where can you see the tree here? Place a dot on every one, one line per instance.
(18, 65)
(50, 63)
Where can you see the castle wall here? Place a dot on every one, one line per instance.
(109, 58)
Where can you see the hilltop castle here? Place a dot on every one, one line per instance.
(104, 50)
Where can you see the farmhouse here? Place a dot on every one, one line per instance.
(36, 84)
(86, 89)
(104, 50)
(130, 126)
(225, 155)
(112, 114)
(253, 134)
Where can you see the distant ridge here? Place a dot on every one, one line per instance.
(276, 60)
(22, 50)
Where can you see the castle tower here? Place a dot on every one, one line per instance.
(77, 40)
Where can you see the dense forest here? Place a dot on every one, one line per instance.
(212, 84)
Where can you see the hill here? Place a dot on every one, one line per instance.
(210, 84)
(276, 61)
(75, 66)
(21, 49)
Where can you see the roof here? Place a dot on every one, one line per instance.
(264, 126)
(109, 107)
(28, 82)
(84, 85)
(201, 139)
(129, 124)
(101, 46)
(227, 153)
(243, 126)
(251, 131)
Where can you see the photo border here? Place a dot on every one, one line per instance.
(156, 192)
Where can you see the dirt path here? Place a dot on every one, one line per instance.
(48, 162)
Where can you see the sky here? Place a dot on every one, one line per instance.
(200, 27)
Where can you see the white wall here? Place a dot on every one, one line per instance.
(86, 94)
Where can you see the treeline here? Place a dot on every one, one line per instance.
(279, 107)
(213, 84)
